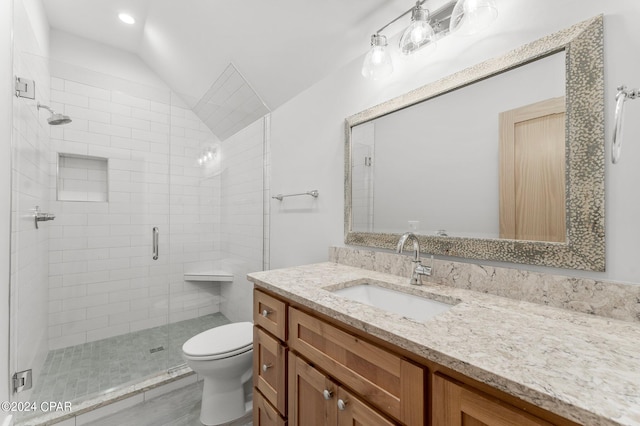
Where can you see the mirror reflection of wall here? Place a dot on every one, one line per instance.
(437, 162)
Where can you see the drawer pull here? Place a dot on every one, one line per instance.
(327, 394)
(265, 313)
(342, 405)
(265, 367)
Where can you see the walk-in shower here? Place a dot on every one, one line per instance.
(93, 312)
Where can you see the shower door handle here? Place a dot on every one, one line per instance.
(156, 232)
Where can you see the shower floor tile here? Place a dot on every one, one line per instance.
(76, 372)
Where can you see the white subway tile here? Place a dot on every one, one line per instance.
(106, 332)
(107, 106)
(108, 309)
(69, 98)
(110, 129)
(130, 122)
(86, 90)
(87, 114)
(89, 138)
(84, 301)
(132, 101)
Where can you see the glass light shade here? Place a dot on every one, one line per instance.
(472, 16)
(377, 63)
(126, 18)
(418, 34)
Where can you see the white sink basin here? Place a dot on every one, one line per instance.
(408, 305)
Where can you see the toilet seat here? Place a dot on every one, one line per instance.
(220, 342)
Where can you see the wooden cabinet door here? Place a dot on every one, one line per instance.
(308, 405)
(353, 412)
(458, 405)
(269, 368)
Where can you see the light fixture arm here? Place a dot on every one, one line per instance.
(418, 4)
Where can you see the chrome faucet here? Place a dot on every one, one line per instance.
(419, 270)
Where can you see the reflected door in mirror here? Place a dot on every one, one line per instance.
(532, 172)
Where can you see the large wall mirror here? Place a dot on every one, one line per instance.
(502, 161)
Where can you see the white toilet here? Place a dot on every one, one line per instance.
(223, 356)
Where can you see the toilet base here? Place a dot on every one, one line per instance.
(220, 405)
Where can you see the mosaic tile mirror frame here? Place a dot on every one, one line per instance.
(584, 247)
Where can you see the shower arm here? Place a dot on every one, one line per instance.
(39, 105)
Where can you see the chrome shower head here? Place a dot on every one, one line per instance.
(55, 119)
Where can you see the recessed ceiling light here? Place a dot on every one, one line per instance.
(126, 18)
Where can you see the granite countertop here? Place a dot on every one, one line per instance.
(582, 367)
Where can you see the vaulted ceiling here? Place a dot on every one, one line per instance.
(280, 46)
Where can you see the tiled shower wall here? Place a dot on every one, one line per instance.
(103, 281)
(243, 215)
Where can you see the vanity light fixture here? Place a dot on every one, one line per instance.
(377, 63)
(461, 16)
(126, 18)
(419, 33)
(472, 16)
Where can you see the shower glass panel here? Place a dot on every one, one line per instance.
(90, 305)
(92, 312)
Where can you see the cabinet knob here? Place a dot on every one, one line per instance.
(342, 405)
(265, 313)
(265, 367)
(327, 394)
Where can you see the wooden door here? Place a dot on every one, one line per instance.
(353, 412)
(308, 404)
(532, 172)
(455, 404)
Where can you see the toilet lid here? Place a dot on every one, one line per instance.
(224, 339)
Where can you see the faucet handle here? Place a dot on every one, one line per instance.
(421, 270)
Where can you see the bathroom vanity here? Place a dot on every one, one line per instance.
(322, 358)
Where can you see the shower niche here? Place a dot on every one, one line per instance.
(82, 178)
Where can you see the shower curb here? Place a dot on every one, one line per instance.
(144, 390)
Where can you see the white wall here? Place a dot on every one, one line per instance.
(70, 49)
(308, 131)
(6, 100)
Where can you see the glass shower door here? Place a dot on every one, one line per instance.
(90, 300)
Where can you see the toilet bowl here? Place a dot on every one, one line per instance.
(223, 356)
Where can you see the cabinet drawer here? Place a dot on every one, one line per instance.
(455, 404)
(269, 368)
(270, 314)
(264, 414)
(385, 380)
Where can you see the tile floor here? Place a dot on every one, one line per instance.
(178, 408)
(73, 373)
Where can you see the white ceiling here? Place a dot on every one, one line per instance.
(280, 46)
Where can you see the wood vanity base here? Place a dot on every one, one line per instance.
(310, 370)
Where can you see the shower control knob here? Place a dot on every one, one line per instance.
(327, 394)
(265, 367)
(265, 313)
(342, 404)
